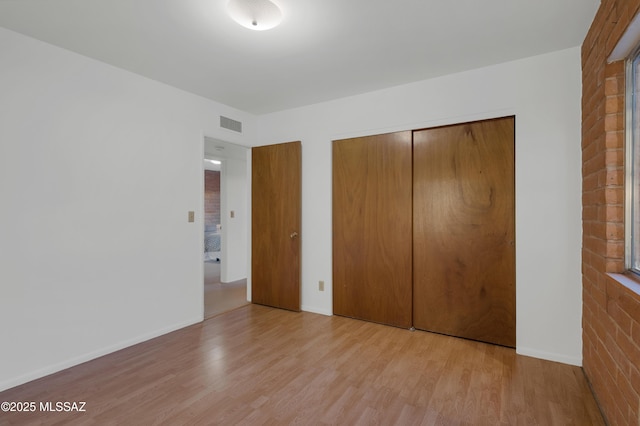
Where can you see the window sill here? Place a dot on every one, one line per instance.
(629, 281)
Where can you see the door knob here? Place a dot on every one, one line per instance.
(293, 235)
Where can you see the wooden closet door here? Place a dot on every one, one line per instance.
(275, 224)
(464, 230)
(372, 228)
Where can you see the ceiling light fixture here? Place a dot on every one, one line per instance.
(213, 161)
(256, 15)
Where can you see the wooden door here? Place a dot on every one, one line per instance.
(372, 228)
(464, 230)
(275, 225)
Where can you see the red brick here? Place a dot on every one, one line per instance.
(589, 151)
(634, 378)
(614, 157)
(627, 393)
(595, 164)
(612, 176)
(615, 231)
(629, 348)
(614, 139)
(613, 122)
(599, 263)
(211, 198)
(614, 195)
(614, 213)
(615, 250)
(611, 317)
(614, 69)
(627, 298)
(602, 213)
(614, 104)
(618, 418)
(591, 274)
(602, 174)
(615, 266)
(590, 120)
(589, 213)
(603, 325)
(635, 331)
(612, 86)
(595, 245)
(620, 317)
(634, 413)
(600, 297)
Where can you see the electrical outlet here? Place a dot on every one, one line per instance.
(321, 285)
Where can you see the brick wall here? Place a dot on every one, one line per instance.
(611, 310)
(211, 199)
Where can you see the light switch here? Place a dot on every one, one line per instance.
(192, 216)
(233, 214)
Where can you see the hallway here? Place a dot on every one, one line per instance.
(221, 297)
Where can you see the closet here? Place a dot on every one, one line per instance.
(424, 229)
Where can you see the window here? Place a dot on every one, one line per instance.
(632, 221)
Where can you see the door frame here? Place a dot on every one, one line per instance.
(200, 213)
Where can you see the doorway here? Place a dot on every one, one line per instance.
(225, 225)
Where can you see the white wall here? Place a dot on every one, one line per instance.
(234, 241)
(98, 169)
(544, 94)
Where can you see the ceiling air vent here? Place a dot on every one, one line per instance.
(228, 123)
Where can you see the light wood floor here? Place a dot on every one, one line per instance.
(221, 297)
(258, 365)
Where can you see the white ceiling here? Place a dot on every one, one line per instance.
(324, 49)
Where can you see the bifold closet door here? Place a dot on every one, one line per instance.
(372, 228)
(464, 230)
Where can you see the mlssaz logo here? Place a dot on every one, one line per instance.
(63, 406)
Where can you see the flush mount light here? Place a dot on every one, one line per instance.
(212, 161)
(257, 15)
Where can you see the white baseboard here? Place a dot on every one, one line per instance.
(549, 356)
(314, 310)
(54, 368)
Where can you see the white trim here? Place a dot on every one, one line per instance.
(549, 356)
(314, 310)
(72, 362)
(628, 167)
